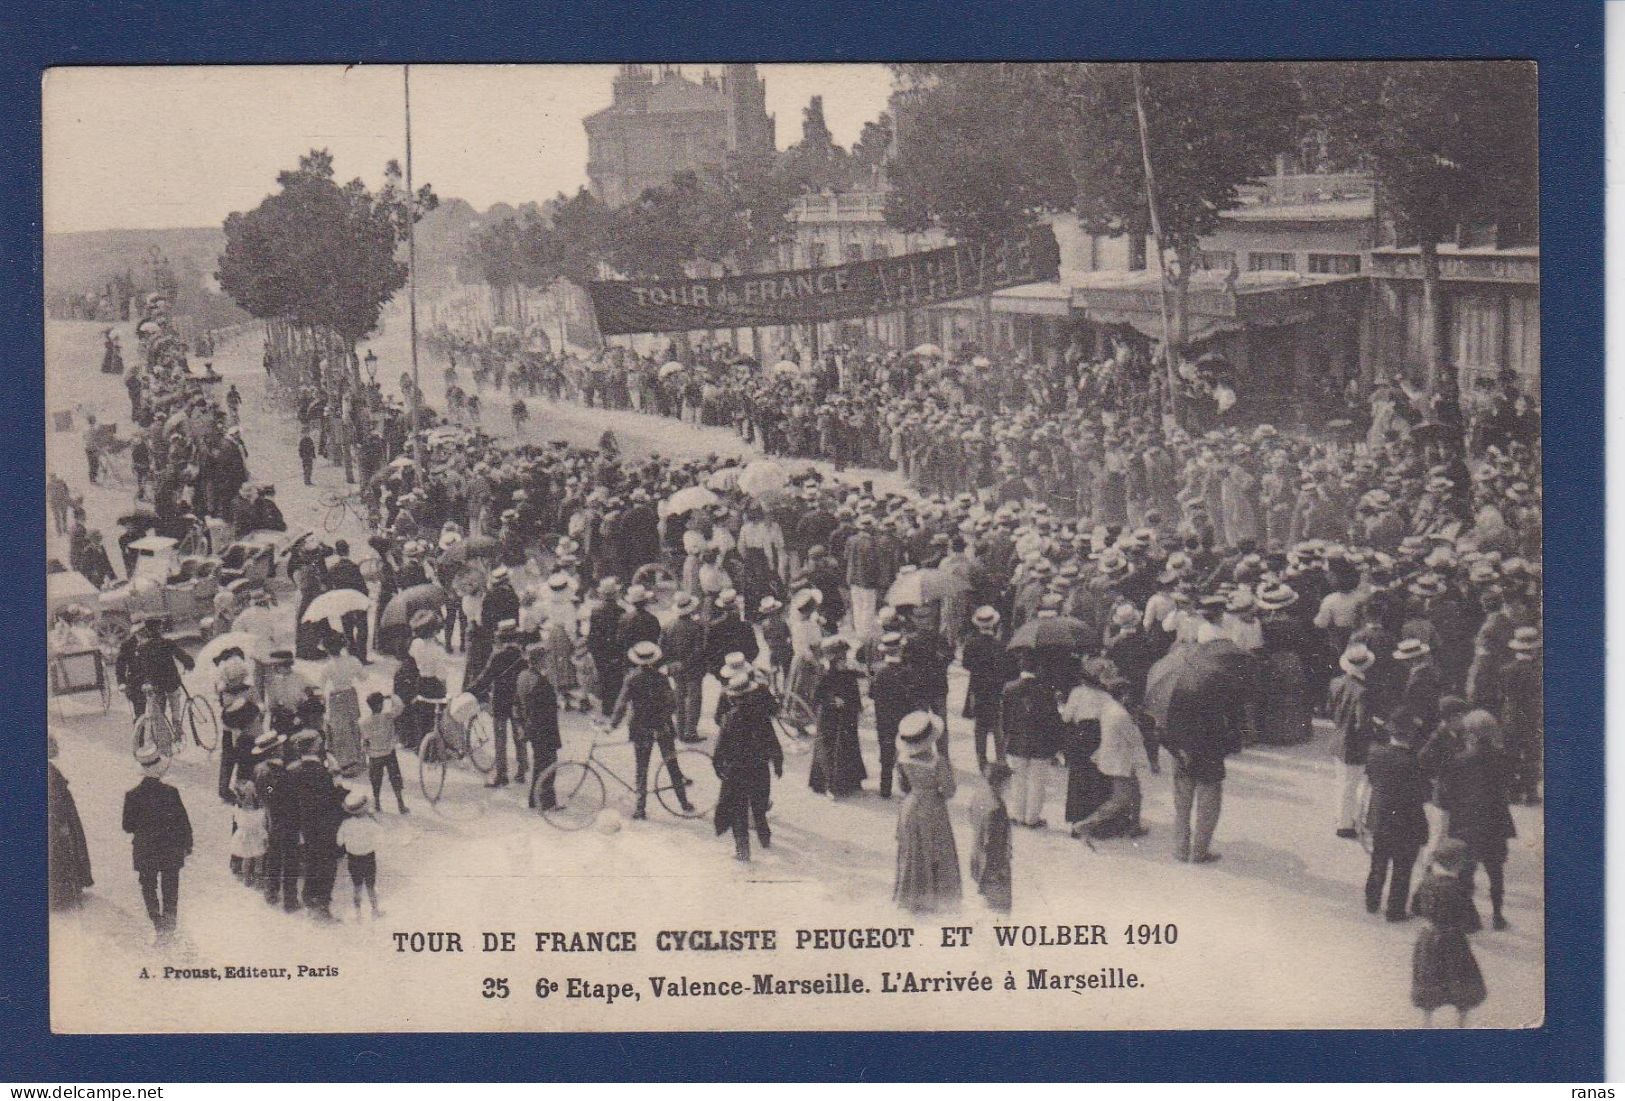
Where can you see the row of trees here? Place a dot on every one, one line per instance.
(317, 261)
(735, 217)
(990, 149)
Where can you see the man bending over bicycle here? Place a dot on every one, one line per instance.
(647, 695)
(156, 664)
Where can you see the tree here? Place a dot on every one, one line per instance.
(319, 258)
(980, 157)
(990, 150)
(1451, 144)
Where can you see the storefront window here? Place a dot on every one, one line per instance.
(1333, 263)
(1270, 261)
(1220, 260)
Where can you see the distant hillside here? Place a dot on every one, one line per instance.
(79, 264)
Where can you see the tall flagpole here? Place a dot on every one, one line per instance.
(412, 281)
(1156, 236)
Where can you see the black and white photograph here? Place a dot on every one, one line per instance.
(660, 547)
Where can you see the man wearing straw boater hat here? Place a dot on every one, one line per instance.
(1350, 707)
(683, 643)
(646, 701)
(160, 840)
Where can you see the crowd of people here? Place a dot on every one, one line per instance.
(1123, 594)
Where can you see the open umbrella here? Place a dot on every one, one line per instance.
(1062, 630)
(398, 612)
(926, 350)
(763, 476)
(724, 479)
(475, 546)
(252, 645)
(687, 500)
(917, 587)
(670, 369)
(335, 604)
(1214, 670)
(269, 625)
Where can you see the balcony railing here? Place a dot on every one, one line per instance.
(1315, 187)
(856, 206)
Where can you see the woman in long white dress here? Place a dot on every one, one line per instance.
(341, 672)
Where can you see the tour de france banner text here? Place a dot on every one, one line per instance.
(862, 289)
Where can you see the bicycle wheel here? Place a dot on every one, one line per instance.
(198, 714)
(142, 735)
(333, 518)
(578, 795)
(432, 767)
(482, 742)
(699, 780)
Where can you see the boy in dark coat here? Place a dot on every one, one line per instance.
(160, 839)
(1398, 822)
(892, 691)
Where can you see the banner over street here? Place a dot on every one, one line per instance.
(860, 289)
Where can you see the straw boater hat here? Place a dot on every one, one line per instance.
(644, 654)
(734, 664)
(685, 604)
(268, 741)
(985, 618)
(637, 594)
(501, 573)
(1410, 649)
(1276, 595)
(727, 598)
(1357, 659)
(559, 582)
(834, 644)
(609, 586)
(355, 802)
(740, 683)
(768, 606)
(152, 762)
(424, 617)
(917, 731)
(1524, 639)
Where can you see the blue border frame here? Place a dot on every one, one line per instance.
(1566, 37)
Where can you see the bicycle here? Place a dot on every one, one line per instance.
(155, 726)
(342, 505)
(475, 743)
(579, 792)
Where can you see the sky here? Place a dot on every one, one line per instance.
(161, 147)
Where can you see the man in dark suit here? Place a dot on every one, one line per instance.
(157, 664)
(1398, 823)
(160, 837)
(536, 718)
(991, 666)
(343, 573)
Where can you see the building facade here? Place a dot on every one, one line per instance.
(661, 123)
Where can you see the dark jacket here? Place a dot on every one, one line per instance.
(637, 625)
(1398, 789)
(683, 645)
(1030, 717)
(725, 636)
(498, 679)
(893, 691)
(1350, 708)
(536, 709)
(345, 574)
(157, 661)
(647, 695)
(161, 833)
(991, 667)
(500, 603)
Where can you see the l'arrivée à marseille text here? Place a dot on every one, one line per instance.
(583, 944)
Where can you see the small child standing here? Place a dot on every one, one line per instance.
(358, 837)
(378, 742)
(248, 838)
(1443, 969)
(990, 856)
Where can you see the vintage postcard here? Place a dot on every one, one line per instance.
(674, 547)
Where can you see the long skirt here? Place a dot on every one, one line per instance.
(1444, 972)
(927, 858)
(837, 759)
(1284, 717)
(344, 729)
